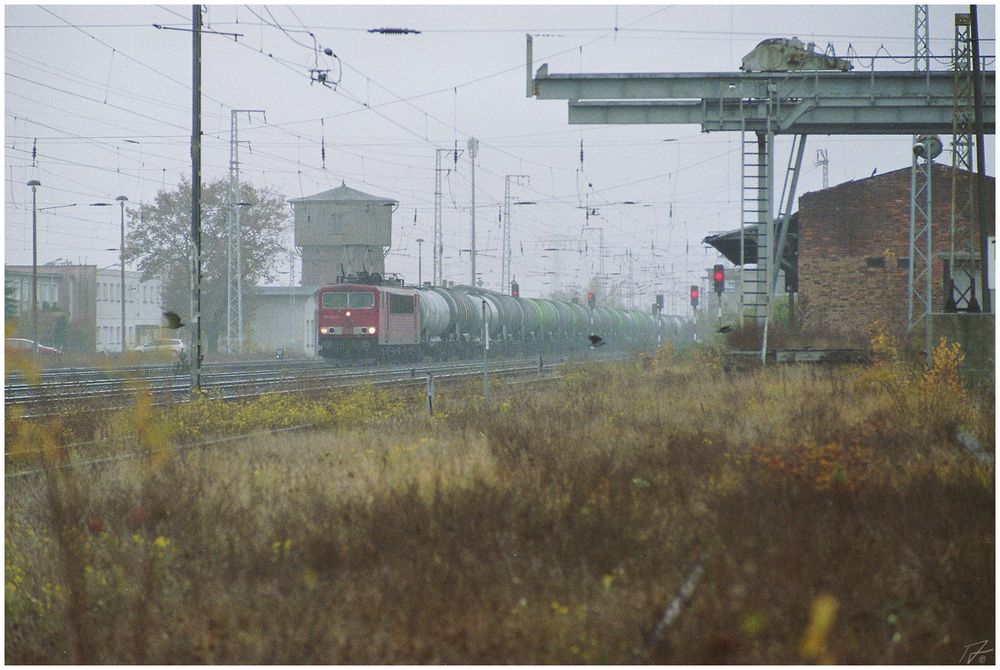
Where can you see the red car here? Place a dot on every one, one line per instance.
(21, 345)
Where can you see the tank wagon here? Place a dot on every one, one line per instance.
(375, 317)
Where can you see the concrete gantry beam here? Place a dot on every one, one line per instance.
(848, 103)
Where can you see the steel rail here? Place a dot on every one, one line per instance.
(457, 372)
(55, 396)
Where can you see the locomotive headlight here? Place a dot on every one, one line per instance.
(348, 313)
(324, 331)
(371, 331)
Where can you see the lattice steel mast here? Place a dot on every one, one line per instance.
(918, 306)
(505, 271)
(438, 273)
(962, 256)
(234, 274)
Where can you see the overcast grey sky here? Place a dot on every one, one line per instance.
(107, 95)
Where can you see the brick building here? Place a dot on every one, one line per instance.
(853, 250)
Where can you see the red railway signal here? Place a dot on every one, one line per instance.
(719, 277)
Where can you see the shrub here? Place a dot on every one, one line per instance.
(554, 525)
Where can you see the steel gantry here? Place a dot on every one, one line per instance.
(765, 104)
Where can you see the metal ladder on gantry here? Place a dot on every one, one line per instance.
(761, 106)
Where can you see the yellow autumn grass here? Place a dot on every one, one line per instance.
(553, 525)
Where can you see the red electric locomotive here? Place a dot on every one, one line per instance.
(359, 319)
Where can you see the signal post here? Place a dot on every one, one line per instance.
(719, 278)
(695, 292)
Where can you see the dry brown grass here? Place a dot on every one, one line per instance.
(842, 521)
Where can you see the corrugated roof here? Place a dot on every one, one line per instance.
(728, 244)
(344, 193)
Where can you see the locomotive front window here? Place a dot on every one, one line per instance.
(348, 300)
(335, 300)
(358, 299)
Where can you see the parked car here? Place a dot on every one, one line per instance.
(163, 346)
(20, 344)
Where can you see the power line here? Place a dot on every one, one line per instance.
(94, 100)
(182, 84)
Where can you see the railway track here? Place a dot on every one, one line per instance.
(91, 454)
(67, 391)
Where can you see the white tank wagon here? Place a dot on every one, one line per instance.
(394, 322)
(436, 314)
(455, 314)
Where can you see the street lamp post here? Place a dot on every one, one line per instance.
(121, 261)
(34, 183)
(420, 262)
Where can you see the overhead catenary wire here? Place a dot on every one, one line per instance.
(269, 159)
(184, 85)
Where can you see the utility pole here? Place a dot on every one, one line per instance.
(823, 162)
(920, 229)
(486, 348)
(473, 146)
(601, 280)
(631, 286)
(420, 261)
(291, 285)
(438, 278)
(980, 179)
(505, 270)
(196, 198)
(600, 272)
(962, 249)
(34, 184)
(121, 261)
(234, 274)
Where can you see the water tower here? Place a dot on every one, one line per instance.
(342, 231)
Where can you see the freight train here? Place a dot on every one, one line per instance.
(371, 316)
